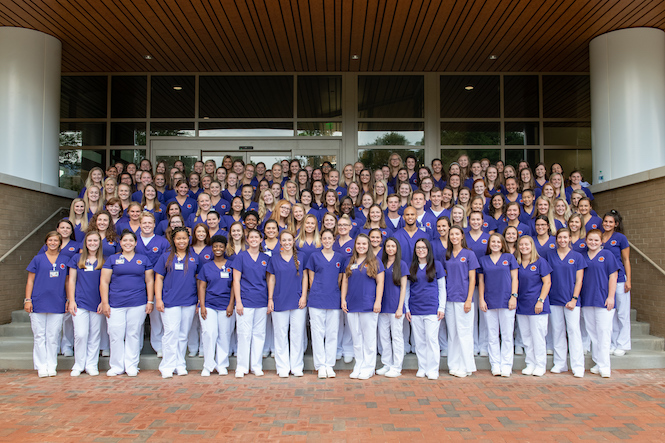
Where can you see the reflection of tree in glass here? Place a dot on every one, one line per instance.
(71, 138)
(469, 138)
(376, 158)
(70, 168)
(391, 138)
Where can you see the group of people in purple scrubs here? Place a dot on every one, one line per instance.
(483, 259)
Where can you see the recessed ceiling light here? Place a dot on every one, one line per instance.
(177, 88)
(493, 57)
(355, 57)
(147, 57)
(468, 88)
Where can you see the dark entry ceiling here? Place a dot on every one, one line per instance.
(324, 35)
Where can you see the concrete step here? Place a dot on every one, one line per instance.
(20, 329)
(632, 360)
(633, 315)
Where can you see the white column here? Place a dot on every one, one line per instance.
(627, 101)
(29, 104)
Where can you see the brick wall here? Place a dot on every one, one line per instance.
(22, 211)
(642, 206)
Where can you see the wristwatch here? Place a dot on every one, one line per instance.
(541, 300)
(575, 298)
(514, 295)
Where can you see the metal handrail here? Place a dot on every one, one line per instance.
(646, 257)
(34, 231)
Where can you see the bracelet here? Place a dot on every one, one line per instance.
(541, 300)
(575, 298)
(513, 295)
(151, 302)
(27, 300)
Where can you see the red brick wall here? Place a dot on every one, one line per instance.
(642, 206)
(22, 211)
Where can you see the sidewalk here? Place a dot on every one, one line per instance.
(561, 408)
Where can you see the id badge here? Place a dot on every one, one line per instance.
(178, 266)
(89, 268)
(54, 274)
(354, 267)
(268, 253)
(120, 261)
(224, 274)
(422, 228)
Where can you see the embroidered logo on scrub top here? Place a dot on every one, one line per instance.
(62, 266)
(601, 259)
(484, 241)
(505, 262)
(582, 245)
(551, 245)
(155, 249)
(533, 267)
(594, 226)
(263, 262)
(485, 224)
(189, 206)
(71, 248)
(463, 259)
(520, 232)
(348, 250)
(207, 256)
(428, 224)
(139, 262)
(111, 243)
(613, 242)
(571, 261)
(191, 259)
(337, 265)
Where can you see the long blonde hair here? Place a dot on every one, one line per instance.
(302, 236)
(85, 254)
(84, 216)
(534, 253)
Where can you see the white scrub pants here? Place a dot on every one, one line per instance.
(251, 331)
(344, 336)
(500, 329)
(564, 321)
(125, 326)
(46, 332)
(426, 338)
(391, 338)
(480, 341)
(156, 330)
(67, 340)
(599, 326)
(363, 331)
(534, 330)
(216, 331)
(289, 328)
(621, 327)
(324, 324)
(460, 337)
(87, 332)
(177, 323)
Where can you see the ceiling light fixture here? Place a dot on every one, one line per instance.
(147, 57)
(355, 57)
(177, 88)
(493, 57)
(468, 88)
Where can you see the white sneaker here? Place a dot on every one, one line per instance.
(258, 372)
(619, 353)
(606, 373)
(205, 373)
(420, 374)
(496, 372)
(201, 354)
(393, 373)
(348, 358)
(323, 373)
(42, 373)
(506, 373)
(92, 372)
(354, 374)
(558, 370)
(106, 353)
(159, 354)
(519, 350)
(75, 373)
(550, 352)
(298, 374)
(283, 375)
(579, 374)
(330, 373)
(181, 371)
(365, 375)
(383, 370)
(192, 353)
(433, 376)
(68, 353)
(528, 370)
(595, 370)
(539, 372)
(111, 373)
(266, 354)
(52, 373)
(460, 374)
(240, 374)
(444, 353)
(167, 375)
(272, 354)
(223, 371)
(484, 354)
(338, 357)
(132, 373)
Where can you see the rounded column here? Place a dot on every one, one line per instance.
(29, 104)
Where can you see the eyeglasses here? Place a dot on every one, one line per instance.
(421, 248)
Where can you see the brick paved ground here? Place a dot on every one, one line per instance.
(630, 405)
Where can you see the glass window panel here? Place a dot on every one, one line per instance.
(567, 133)
(268, 158)
(515, 156)
(520, 96)
(566, 96)
(129, 134)
(452, 155)
(218, 156)
(245, 129)
(82, 134)
(168, 129)
(376, 158)
(319, 96)
(315, 161)
(187, 160)
(129, 96)
(393, 133)
(522, 133)
(75, 165)
(570, 160)
(172, 96)
(83, 97)
(319, 129)
(470, 96)
(247, 96)
(470, 133)
(390, 96)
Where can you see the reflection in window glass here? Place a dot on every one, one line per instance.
(82, 134)
(246, 96)
(75, 165)
(470, 133)
(522, 133)
(315, 161)
(172, 96)
(567, 133)
(390, 96)
(470, 96)
(566, 96)
(520, 96)
(187, 160)
(83, 97)
(319, 96)
(376, 158)
(129, 96)
(393, 133)
(515, 156)
(320, 129)
(245, 129)
(571, 160)
(452, 155)
(128, 134)
(168, 129)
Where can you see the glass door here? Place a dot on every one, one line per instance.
(267, 157)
